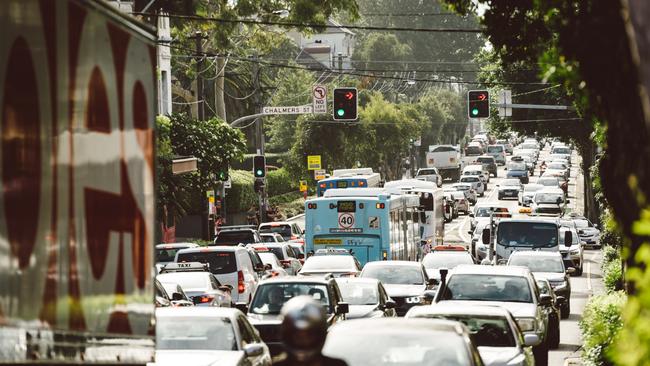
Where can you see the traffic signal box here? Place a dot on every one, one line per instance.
(478, 104)
(345, 104)
(259, 166)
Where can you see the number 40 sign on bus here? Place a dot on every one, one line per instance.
(346, 220)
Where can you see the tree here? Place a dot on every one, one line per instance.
(381, 46)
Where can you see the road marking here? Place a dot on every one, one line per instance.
(589, 276)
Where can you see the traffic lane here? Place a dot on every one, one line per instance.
(582, 288)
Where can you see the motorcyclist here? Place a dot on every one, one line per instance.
(304, 329)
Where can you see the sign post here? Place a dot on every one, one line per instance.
(319, 98)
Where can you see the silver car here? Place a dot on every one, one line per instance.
(493, 330)
(526, 196)
(470, 193)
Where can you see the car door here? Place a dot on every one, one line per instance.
(385, 298)
(249, 336)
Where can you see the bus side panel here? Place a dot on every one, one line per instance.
(77, 111)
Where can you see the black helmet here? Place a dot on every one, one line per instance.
(304, 327)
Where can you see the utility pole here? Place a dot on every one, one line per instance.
(198, 42)
(259, 132)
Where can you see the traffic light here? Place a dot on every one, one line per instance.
(259, 166)
(258, 185)
(222, 174)
(478, 104)
(345, 104)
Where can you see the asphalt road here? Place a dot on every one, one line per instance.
(582, 287)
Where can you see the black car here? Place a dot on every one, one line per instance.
(489, 163)
(272, 294)
(235, 235)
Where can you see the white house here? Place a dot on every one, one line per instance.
(325, 47)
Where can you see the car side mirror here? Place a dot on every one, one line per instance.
(485, 236)
(531, 340)
(390, 304)
(302, 231)
(545, 300)
(471, 214)
(301, 256)
(580, 232)
(225, 288)
(470, 232)
(429, 295)
(568, 239)
(570, 270)
(260, 267)
(253, 350)
(242, 306)
(177, 296)
(432, 282)
(560, 300)
(268, 267)
(342, 308)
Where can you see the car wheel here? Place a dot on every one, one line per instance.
(541, 353)
(554, 335)
(565, 310)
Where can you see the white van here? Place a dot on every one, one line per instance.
(232, 265)
(498, 152)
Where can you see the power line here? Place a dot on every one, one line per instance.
(409, 14)
(315, 25)
(536, 91)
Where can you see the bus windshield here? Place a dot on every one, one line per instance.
(527, 234)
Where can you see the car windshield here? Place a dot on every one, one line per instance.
(549, 182)
(473, 151)
(561, 150)
(517, 166)
(483, 211)
(527, 234)
(270, 297)
(395, 274)
(538, 264)
(329, 262)
(187, 280)
(220, 262)
(543, 197)
(398, 346)
(485, 331)
(284, 230)
(495, 149)
(483, 287)
(582, 223)
(532, 146)
(426, 172)
(485, 160)
(195, 333)
(234, 237)
(511, 182)
(275, 250)
(166, 255)
(469, 179)
(267, 239)
(532, 187)
(462, 187)
(458, 195)
(359, 293)
(446, 260)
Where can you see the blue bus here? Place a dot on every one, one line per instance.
(373, 224)
(349, 178)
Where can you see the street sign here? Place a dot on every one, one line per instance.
(505, 97)
(346, 220)
(319, 98)
(299, 109)
(303, 186)
(319, 174)
(313, 162)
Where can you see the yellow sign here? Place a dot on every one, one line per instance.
(328, 241)
(211, 199)
(313, 162)
(303, 186)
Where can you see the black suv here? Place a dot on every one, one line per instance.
(234, 235)
(264, 309)
(488, 163)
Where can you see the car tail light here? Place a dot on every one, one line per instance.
(241, 286)
(361, 184)
(204, 299)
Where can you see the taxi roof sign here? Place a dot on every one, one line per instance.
(186, 267)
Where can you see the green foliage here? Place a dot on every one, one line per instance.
(279, 182)
(242, 195)
(382, 46)
(601, 321)
(613, 275)
(289, 204)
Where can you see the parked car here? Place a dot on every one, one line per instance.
(511, 287)
(493, 330)
(406, 282)
(416, 342)
(207, 336)
(367, 298)
(272, 294)
(231, 265)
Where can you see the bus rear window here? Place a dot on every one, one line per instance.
(220, 262)
(342, 184)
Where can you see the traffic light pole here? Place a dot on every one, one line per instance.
(259, 133)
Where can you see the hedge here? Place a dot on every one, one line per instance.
(601, 321)
(242, 194)
(279, 182)
(612, 271)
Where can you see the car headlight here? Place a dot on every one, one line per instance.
(575, 251)
(526, 324)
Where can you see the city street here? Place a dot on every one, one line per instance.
(583, 287)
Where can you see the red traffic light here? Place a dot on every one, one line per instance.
(482, 96)
(349, 95)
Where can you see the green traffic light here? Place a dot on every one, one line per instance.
(340, 112)
(475, 112)
(258, 172)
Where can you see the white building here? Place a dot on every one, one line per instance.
(325, 47)
(164, 67)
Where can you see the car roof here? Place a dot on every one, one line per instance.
(474, 167)
(455, 308)
(536, 253)
(551, 190)
(268, 245)
(197, 312)
(381, 325)
(393, 263)
(176, 245)
(297, 279)
(367, 280)
(276, 223)
(213, 248)
(491, 270)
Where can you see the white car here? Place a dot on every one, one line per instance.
(572, 256)
(207, 336)
(272, 264)
(478, 171)
(285, 253)
(470, 193)
(201, 286)
(429, 175)
(271, 238)
(526, 196)
(477, 184)
(231, 265)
